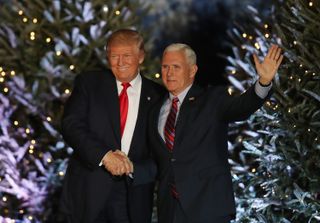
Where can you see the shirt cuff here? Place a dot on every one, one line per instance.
(262, 91)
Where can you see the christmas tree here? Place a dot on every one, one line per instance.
(43, 45)
(275, 153)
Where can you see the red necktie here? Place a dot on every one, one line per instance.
(124, 104)
(169, 128)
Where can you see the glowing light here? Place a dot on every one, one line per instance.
(6, 90)
(267, 35)
(16, 123)
(1, 69)
(105, 8)
(13, 73)
(310, 4)
(31, 147)
(33, 141)
(253, 170)
(250, 37)
(233, 71)
(1, 79)
(244, 35)
(21, 211)
(157, 75)
(35, 20)
(3, 73)
(230, 90)
(30, 217)
(4, 198)
(25, 19)
(300, 65)
(61, 173)
(71, 67)
(295, 42)
(117, 12)
(30, 151)
(67, 91)
(289, 110)
(48, 40)
(20, 12)
(257, 46)
(291, 77)
(49, 119)
(309, 130)
(266, 26)
(27, 130)
(58, 53)
(49, 160)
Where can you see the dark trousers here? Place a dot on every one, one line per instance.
(116, 207)
(179, 216)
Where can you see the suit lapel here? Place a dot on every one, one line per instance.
(110, 95)
(184, 117)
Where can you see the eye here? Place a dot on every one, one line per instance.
(164, 66)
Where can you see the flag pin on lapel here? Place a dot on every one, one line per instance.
(191, 98)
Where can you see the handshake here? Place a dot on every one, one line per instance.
(117, 163)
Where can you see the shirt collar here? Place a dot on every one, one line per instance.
(182, 94)
(134, 83)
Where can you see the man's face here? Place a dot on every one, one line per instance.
(124, 61)
(177, 73)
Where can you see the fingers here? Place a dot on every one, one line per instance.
(279, 61)
(256, 59)
(117, 163)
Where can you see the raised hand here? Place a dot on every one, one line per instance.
(117, 163)
(269, 66)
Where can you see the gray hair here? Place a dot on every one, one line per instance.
(187, 50)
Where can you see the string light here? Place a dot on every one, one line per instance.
(230, 90)
(244, 35)
(295, 42)
(309, 130)
(33, 141)
(289, 110)
(117, 12)
(267, 35)
(291, 77)
(266, 26)
(157, 75)
(250, 37)
(27, 130)
(49, 119)
(16, 123)
(61, 173)
(310, 3)
(58, 53)
(67, 91)
(30, 217)
(71, 67)
(13, 73)
(20, 12)
(35, 20)
(299, 79)
(253, 170)
(1, 69)
(243, 47)
(1, 79)
(32, 35)
(314, 74)
(6, 90)
(233, 72)
(306, 71)
(48, 40)
(257, 46)
(300, 65)
(105, 8)
(25, 19)
(31, 147)
(21, 211)
(4, 198)
(49, 160)
(30, 151)
(3, 73)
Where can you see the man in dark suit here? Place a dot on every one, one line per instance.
(188, 135)
(105, 123)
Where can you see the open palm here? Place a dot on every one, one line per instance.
(269, 66)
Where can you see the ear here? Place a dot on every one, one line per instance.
(193, 70)
(141, 57)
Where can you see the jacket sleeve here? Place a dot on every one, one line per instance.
(75, 128)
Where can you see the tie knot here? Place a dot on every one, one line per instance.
(125, 85)
(175, 100)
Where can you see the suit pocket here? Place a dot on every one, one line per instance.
(213, 171)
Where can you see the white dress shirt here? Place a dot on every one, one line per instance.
(134, 92)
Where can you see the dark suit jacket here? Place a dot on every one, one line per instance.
(199, 162)
(91, 126)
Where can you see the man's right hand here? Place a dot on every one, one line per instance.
(117, 163)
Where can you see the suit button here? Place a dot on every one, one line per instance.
(173, 160)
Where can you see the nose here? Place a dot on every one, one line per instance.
(120, 61)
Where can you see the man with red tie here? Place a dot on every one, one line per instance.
(105, 123)
(188, 135)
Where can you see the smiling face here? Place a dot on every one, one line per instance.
(177, 72)
(124, 60)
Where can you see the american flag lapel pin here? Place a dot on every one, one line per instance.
(191, 98)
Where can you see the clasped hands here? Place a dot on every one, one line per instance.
(117, 163)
